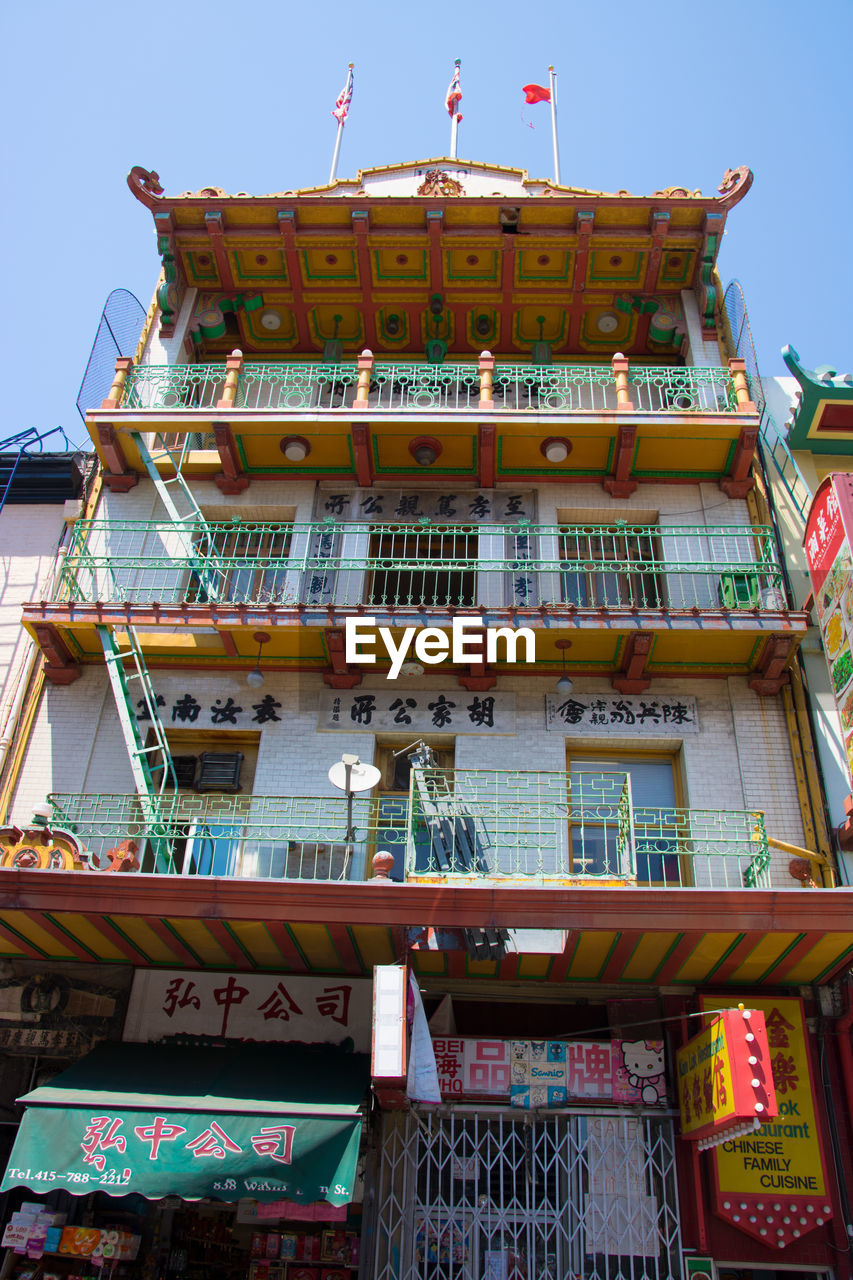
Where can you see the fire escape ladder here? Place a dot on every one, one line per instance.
(199, 552)
(151, 766)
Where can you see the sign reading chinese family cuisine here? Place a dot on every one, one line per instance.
(453, 711)
(828, 543)
(162, 1152)
(616, 714)
(464, 506)
(167, 1004)
(725, 1085)
(784, 1159)
(549, 1073)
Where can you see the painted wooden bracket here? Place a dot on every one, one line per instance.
(771, 674)
(479, 678)
(59, 664)
(118, 477)
(360, 435)
(620, 484)
(739, 482)
(232, 478)
(633, 678)
(486, 455)
(341, 675)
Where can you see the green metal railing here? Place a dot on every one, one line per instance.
(682, 390)
(516, 388)
(434, 565)
(499, 825)
(582, 825)
(258, 837)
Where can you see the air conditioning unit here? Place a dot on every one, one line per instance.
(219, 771)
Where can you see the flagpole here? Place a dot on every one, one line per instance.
(333, 172)
(553, 84)
(454, 121)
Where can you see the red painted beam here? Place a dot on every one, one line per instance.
(342, 676)
(290, 953)
(287, 229)
(361, 228)
(216, 231)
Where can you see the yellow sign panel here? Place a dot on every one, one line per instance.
(785, 1155)
(705, 1086)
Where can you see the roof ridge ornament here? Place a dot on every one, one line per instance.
(735, 184)
(145, 185)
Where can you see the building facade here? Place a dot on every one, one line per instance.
(428, 643)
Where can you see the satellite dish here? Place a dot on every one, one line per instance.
(361, 776)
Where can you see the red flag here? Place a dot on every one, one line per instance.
(536, 93)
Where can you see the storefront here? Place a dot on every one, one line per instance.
(224, 1158)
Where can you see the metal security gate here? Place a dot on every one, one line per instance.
(517, 1196)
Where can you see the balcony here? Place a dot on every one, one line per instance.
(406, 568)
(460, 827)
(513, 388)
(618, 422)
(694, 599)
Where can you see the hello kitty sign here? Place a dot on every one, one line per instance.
(550, 1073)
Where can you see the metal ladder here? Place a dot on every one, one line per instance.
(783, 460)
(21, 443)
(455, 842)
(152, 780)
(199, 554)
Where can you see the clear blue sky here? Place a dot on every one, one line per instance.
(239, 96)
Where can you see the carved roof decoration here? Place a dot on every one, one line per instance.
(822, 419)
(514, 261)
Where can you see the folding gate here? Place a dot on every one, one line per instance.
(521, 1196)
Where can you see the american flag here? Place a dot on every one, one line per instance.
(454, 93)
(344, 99)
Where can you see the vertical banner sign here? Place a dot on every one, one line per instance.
(725, 1084)
(773, 1184)
(827, 543)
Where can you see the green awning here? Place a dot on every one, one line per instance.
(274, 1122)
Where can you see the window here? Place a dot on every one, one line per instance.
(240, 562)
(611, 796)
(215, 773)
(610, 566)
(430, 566)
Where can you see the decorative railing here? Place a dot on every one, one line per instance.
(618, 566)
(682, 390)
(254, 837)
(174, 386)
(584, 825)
(496, 825)
(394, 385)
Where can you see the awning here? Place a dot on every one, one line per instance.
(274, 1122)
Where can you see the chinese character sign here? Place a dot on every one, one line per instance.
(464, 506)
(453, 711)
(598, 713)
(258, 1007)
(785, 1157)
(724, 1077)
(549, 1073)
(161, 1152)
(827, 542)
